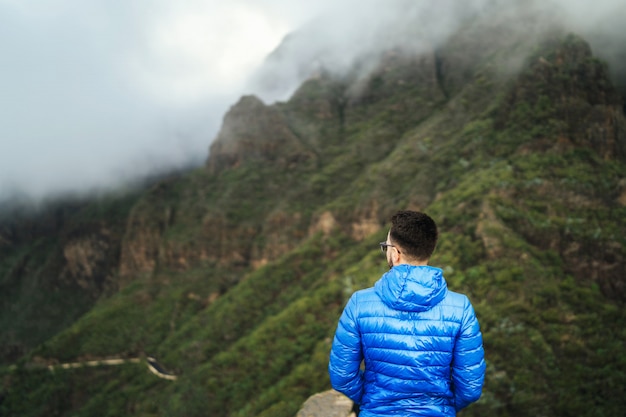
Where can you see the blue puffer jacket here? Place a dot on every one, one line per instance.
(421, 345)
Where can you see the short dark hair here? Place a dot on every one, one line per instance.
(415, 233)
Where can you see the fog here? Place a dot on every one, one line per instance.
(95, 95)
(336, 38)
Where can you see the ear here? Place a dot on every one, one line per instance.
(396, 256)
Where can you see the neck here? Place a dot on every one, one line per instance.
(413, 262)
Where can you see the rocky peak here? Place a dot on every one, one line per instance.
(253, 131)
(566, 90)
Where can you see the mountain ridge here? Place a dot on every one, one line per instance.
(234, 274)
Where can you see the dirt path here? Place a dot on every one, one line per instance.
(151, 362)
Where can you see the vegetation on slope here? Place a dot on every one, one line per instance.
(252, 264)
(55, 264)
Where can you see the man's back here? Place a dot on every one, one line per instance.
(421, 345)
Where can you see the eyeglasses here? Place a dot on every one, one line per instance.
(384, 246)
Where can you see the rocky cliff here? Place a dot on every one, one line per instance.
(235, 273)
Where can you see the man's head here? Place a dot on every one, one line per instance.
(413, 235)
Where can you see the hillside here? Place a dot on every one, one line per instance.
(234, 274)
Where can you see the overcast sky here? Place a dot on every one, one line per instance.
(100, 91)
(96, 92)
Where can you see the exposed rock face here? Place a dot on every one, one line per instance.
(253, 131)
(487, 223)
(149, 243)
(86, 252)
(281, 232)
(367, 221)
(327, 404)
(140, 252)
(142, 240)
(91, 259)
(55, 262)
(326, 223)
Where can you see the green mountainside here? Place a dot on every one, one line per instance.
(233, 275)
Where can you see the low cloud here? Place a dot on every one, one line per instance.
(96, 94)
(353, 30)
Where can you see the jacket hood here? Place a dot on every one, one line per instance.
(412, 288)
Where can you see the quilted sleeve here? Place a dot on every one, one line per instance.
(468, 367)
(346, 355)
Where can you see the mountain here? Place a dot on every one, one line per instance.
(233, 275)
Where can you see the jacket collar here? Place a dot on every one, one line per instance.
(412, 288)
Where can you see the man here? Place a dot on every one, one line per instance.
(420, 343)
